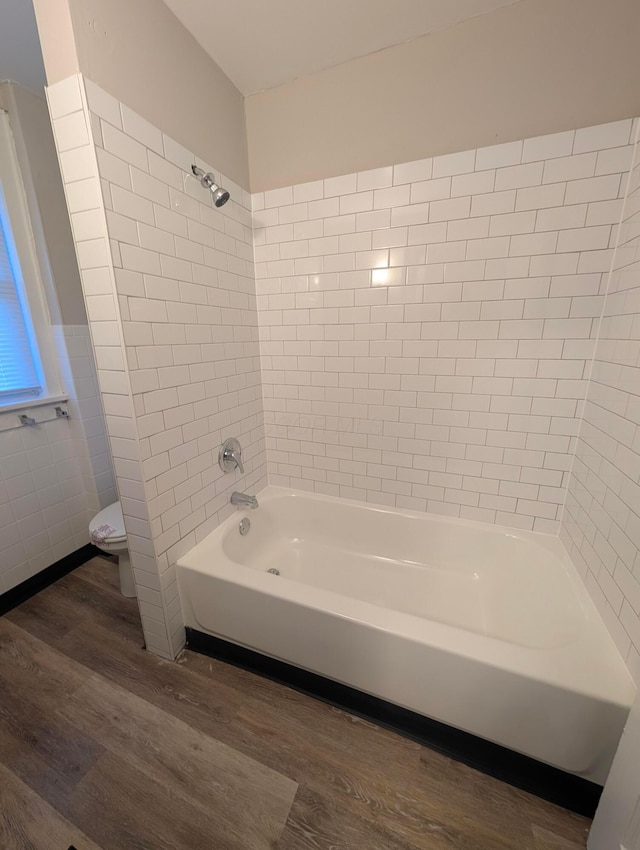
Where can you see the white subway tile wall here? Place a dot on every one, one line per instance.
(170, 292)
(86, 417)
(54, 477)
(601, 522)
(426, 338)
(427, 330)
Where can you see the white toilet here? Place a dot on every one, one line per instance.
(108, 533)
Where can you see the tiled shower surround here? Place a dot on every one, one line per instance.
(426, 330)
(601, 522)
(169, 288)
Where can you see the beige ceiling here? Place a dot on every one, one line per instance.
(260, 44)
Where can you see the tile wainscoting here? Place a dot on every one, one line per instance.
(56, 476)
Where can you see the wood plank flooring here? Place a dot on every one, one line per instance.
(104, 746)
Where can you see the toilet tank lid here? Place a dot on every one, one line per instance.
(111, 515)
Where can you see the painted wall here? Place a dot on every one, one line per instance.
(169, 287)
(532, 68)
(427, 329)
(53, 477)
(141, 54)
(601, 524)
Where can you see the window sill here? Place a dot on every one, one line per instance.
(9, 414)
(37, 402)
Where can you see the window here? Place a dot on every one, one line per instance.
(28, 361)
(20, 370)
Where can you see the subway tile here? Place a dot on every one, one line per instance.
(614, 160)
(131, 205)
(140, 259)
(412, 172)
(149, 187)
(480, 249)
(377, 178)
(430, 190)
(493, 203)
(77, 164)
(554, 264)
(308, 192)
(293, 213)
(178, 155)
(548, 147)
(446, 252)
(533, 243)
(343, 185)
(88, 224)
(360, 202)
(593, 189)
(454, 163)
(392, 197)
(71, 131)
(538, 197)
(164, 170)
(92, 254)
(84, 195)
(64, 97)
(561, 218)
(569, 168)
(507, 267)
(519, 176)
(102, 104)
(464, 271)
(449, 209)
(603, 212)
(413, 255)
(396, 237)
(482, 182)
(584, 239)
(603, 136)
(499, 156)
(141, 130)
(377, 220)
(512, 223)
(124, 147)
(410, 215)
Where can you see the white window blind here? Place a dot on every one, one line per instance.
(18, 371)
(22, 376)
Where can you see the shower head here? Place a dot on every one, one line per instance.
(220, 195)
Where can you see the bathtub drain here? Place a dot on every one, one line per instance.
(274, 571)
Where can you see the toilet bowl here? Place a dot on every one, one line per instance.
(108, 533)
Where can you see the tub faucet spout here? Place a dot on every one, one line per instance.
(244, 500)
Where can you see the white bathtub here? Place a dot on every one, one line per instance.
(486, 629)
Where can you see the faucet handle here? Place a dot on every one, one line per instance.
(237, 459)
(230, 456)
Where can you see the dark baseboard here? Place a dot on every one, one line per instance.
(26, 589)
(550, 783)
